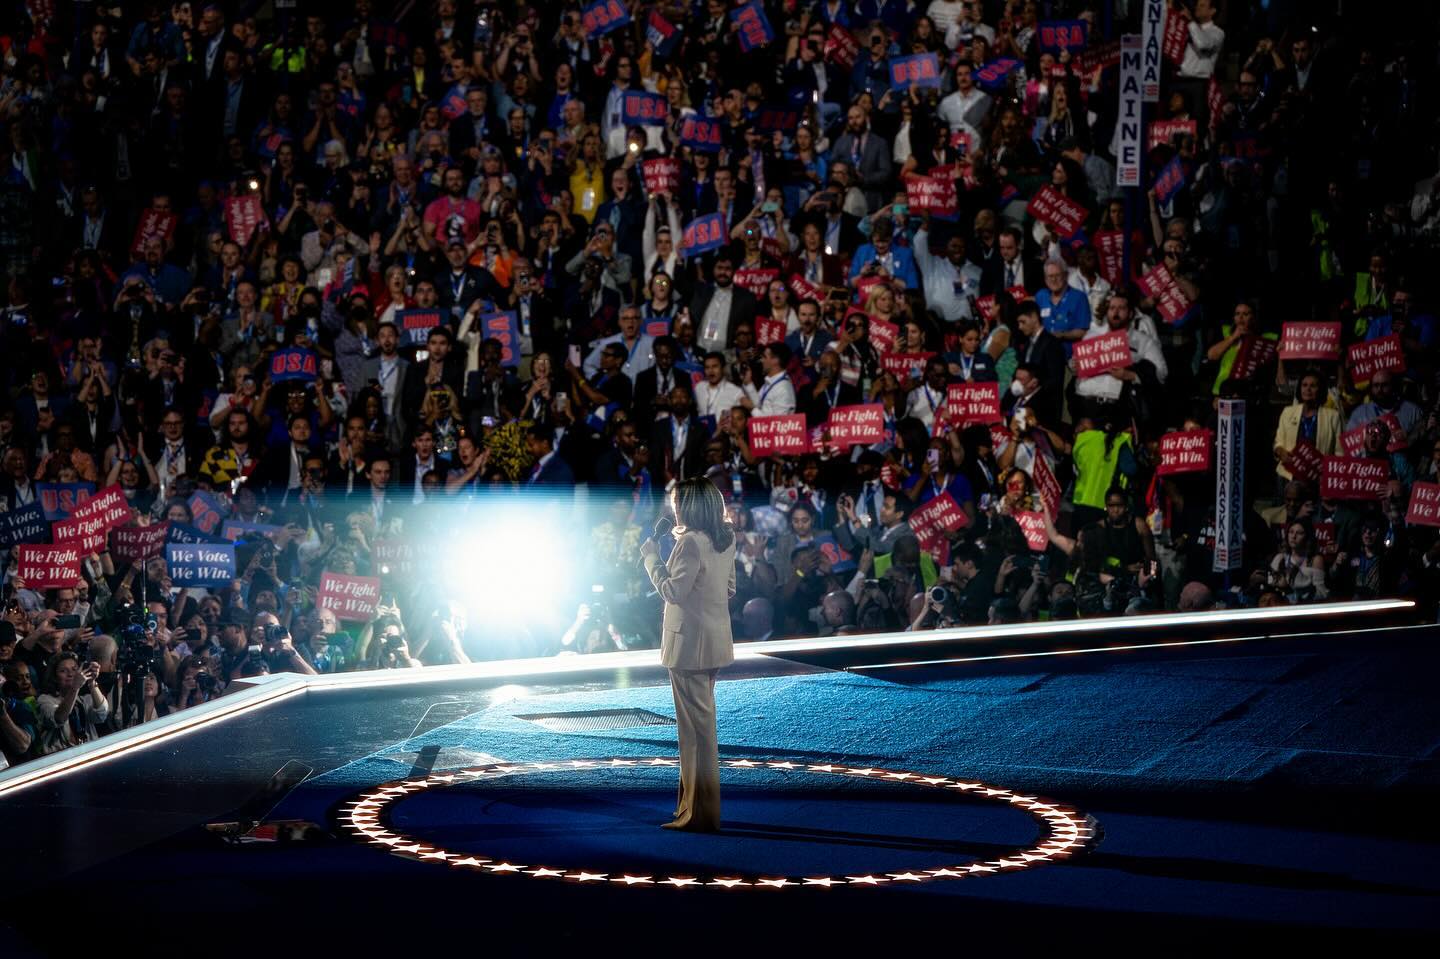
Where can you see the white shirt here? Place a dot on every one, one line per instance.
(642, 355)
(1202, 50)
(943, 13)
(389, 381)
(775, 398)
(421, 468)
(1096, 292)
(1106, 386)
(940, 277)
(715, 324)
(965, 111)
(716, 401)
(922, 404)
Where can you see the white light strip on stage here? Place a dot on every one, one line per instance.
(275, 688)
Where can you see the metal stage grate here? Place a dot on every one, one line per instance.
(594, 720)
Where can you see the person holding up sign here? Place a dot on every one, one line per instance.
(1308, 419)
(1147, 371)
(1385, 398)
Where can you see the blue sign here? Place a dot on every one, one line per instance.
(453, 105)
(602, 16)
(415, 325)
(921, 70)
(1057, 36)
(992, 76)
(1170, 180)
(207, 511)
(703, 234)
(644, 109)
(59, 500)
(841, 561)
(180, 533)
(25, 524)
(698, 133)
(201, 564)
(236, 531)
(752, 26)
(292, 363)
(661, 34)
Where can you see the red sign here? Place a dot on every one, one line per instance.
(903, 365)
(783, 435)
(1169, 298)
(154, 224)
(1098, 57)
(1033, 526)
(935, 520)
(1424, 505)
(1310, 341)
(661, 175)
(841, 47)
(352, 598)
(243, 216)
(1162, 131)
(1254, 354)
(1177, 34)
(883, 334)
(135, 544)
(1110, 246)
(967, 403)
(1046, 484)
(86, 534)
(1057, 210)
(989, 309)
(1366, 359)
(1352, 442)
(394, 557)
(803, 289)
(49, 567)
(931, 194)
(1325, 538)
(757, 280)
(1304, 461)
(1343, 477)
(769, 330)
(858, 425)
(109, 506)
(1097, 355)
(1187, 452)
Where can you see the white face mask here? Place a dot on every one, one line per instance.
(1017, 388)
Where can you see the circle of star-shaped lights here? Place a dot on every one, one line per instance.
(1064, 831)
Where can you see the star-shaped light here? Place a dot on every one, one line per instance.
(933, 780)
(901, 776)
(945, 873)
(784, 765)
(905, 877)
(981, 867)
(776, 883)
(440, 854)
(581, 764)
(663, 762)
(827, 768)
(742, 763)
(447, 778)
(622, 762)
(544, 765)
(1032, 856)
(468, 861)
(682, 881)
(825, 881)
(727, 883)
(504, 867)
(391, 841)
(867, 771)
(587, 876)
(509, 769)
(540, 872)
(867, 880)
(415, 847)
(635, 880)
(996, 792)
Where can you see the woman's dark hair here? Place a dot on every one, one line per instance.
(51, 682)
(700, 507)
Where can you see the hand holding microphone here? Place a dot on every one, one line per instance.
(663, 525)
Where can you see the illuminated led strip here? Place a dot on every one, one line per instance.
(1064, 831)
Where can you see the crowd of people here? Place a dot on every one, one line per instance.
(339, 277)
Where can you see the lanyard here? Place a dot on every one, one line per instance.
(967, 363)
(768, 387)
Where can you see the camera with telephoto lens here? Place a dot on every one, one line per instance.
(134, 636)
(205, 681)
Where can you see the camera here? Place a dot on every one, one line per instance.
(67, 622)
(205, 681)
(939, 594)
(275, 632)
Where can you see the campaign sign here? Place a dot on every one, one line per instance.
(1310, 341)
(236, 531)
(1057, 36)
(244, 215)
(1056, 210)
(1170, 180)
(207, 512)
(698, 133)
(1097, 355)
(503, 327)
(1344, 477)
(905, 365)
(992, 76)
(352, 598)
(1382, 355)
(200, 564)
(757, 280)
(933, 522)
(857, 425)
(292, 363)
(1352, 442)
(1099, 57)
(661, 175)
(841, 560)
(657, 328)
(883, 334)
(1254, 354)
(752, 26)
(1110, 246)
(415, 325)
(703, 234)
(968, 403)
(154, 225)
(1176, 35)
(1152, 45)
(931, 194)
(602, 16)
(1304, 461)
(661, 34)
(1424, 505)
(1046, 485)
(1164, 132)
(769, 330)
(1186, 452)
(24, 524)
(60, 500)
(644, 109)
(135, 544)
(782, 435)
(48, 567)
(780, 118)
(841, 46)
(109, 506)
(921, 70)
(86, 534)
(1169, 298)
(394, 557)
(453, 104)
(1032, 524)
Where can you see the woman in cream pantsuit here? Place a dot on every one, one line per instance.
(696, 585)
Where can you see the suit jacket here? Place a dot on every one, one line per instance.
(478, 284)
(647, 389)
(696, 585)
(992, 274)
(1049, 357)
(545, 335)
(742, 307)
(672, 464)
(832, 266)
(875, 164)
(555, 472)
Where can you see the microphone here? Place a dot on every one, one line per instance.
(663, 526)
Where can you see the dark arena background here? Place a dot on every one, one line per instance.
(1067, 369)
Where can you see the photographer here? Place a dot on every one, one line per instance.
(70, 704)
(276, 646)
(194, 684)
(382, 643)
